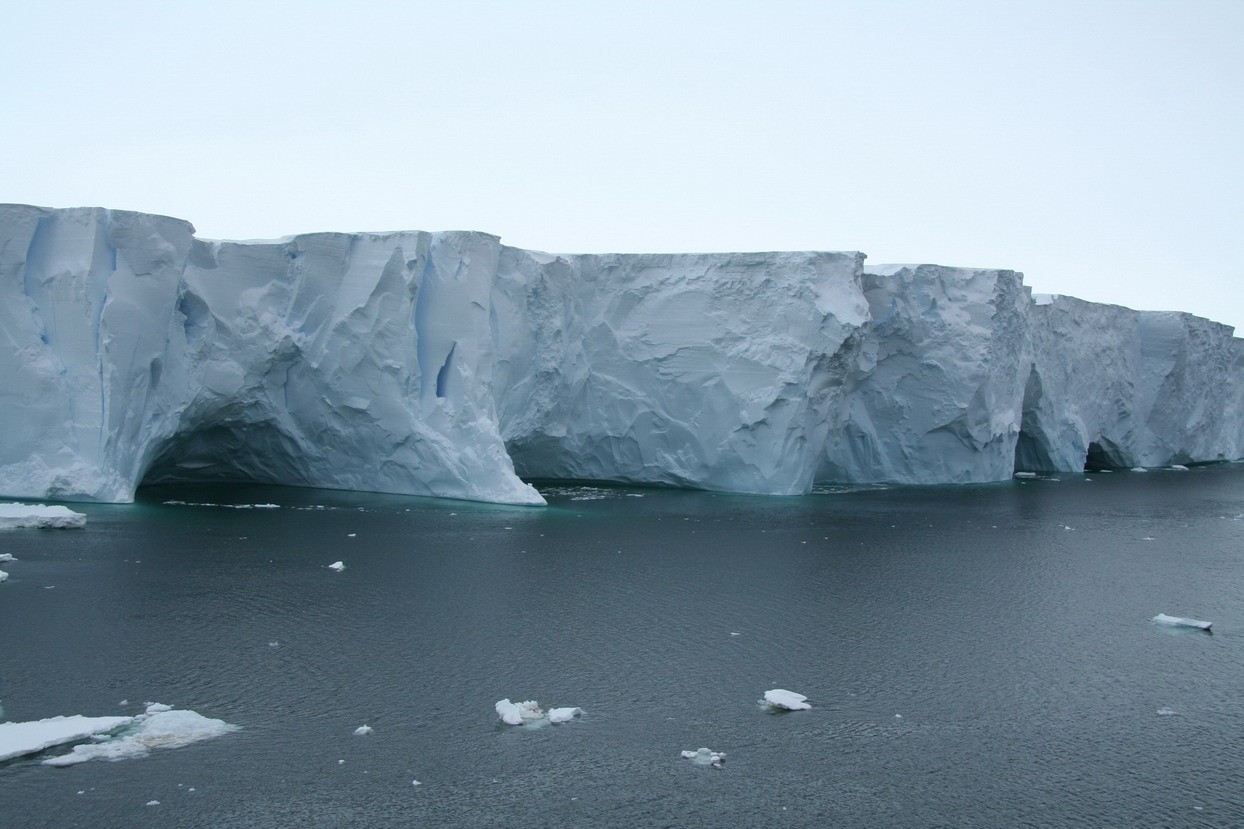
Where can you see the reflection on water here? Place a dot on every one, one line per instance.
(975, 656)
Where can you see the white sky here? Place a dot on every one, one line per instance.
(1095, 145)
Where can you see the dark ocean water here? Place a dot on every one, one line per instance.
(976, 656)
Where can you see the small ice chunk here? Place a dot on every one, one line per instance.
(351, 535)
(1167, 712)
(518, 713)
(18, 738)
(786, 700)
(153, 803)
(1139, 469)
(163, 729)
(560, 715)
(415, 783)
(4, 576)
(337, 565)
(6, 557)
(157, 707)
(40, 516)
(705, 757)
(1180, 621)
(1178, 467)
(364, 730)
(1025, 474)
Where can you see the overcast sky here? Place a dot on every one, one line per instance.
(1094, 145)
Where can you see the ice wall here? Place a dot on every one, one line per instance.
(448, 364)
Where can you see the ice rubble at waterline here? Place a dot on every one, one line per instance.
(448, 364)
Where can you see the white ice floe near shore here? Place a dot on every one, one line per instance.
(786, 700)
(705, 757)
(449, 364)
(1180, 621)
(20, 738)
(159, 729)
(40, 516)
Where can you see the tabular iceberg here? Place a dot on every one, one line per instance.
(448, 364)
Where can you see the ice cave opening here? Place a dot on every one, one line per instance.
(229, 452)
(1032, 445)
(1103, 454)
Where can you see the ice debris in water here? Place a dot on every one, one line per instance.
(7, 557)
(18, 738)
(364, 730)
(705, 757)
(161, 729)
(1025, 474)
(560, 715)
(39, 516)
(157, 707)
(786, 700)
(1167, 712)
(1177, 467)
(337, 565)
(3, 576)
(1179, 621)
(530, 713)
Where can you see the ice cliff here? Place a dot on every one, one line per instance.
(449, 364)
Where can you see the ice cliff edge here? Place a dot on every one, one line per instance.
(448, 364)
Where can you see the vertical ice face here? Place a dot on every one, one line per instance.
(87, 300)
(935, 394)
(718, 371)
(446, 364)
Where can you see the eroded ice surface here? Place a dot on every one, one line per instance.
(40, 516)
(160, 729)
(448, 364)
(705, 757)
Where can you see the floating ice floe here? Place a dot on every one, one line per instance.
(530, 713)
(337, 565)
(18, 738)
(7, 557)
(4, 576)
(1178, 467)
(1025, 474)
(162, 729)
(1139, 469)
(364, 730)
(39, 516)
(786, 700)
(706, 757)
(1180, 621)
(1167, 712)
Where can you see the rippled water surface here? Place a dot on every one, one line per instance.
(976, 656)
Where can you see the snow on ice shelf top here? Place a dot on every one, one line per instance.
(448, 364)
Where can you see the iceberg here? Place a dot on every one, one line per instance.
(1179, 621)
(19, 738)
(786, 700)
(448, 364)
(40, 516)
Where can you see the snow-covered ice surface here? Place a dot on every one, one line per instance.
(19, 738)
(786, 700)
(448, 364)
(160, 728)
(40, 516)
